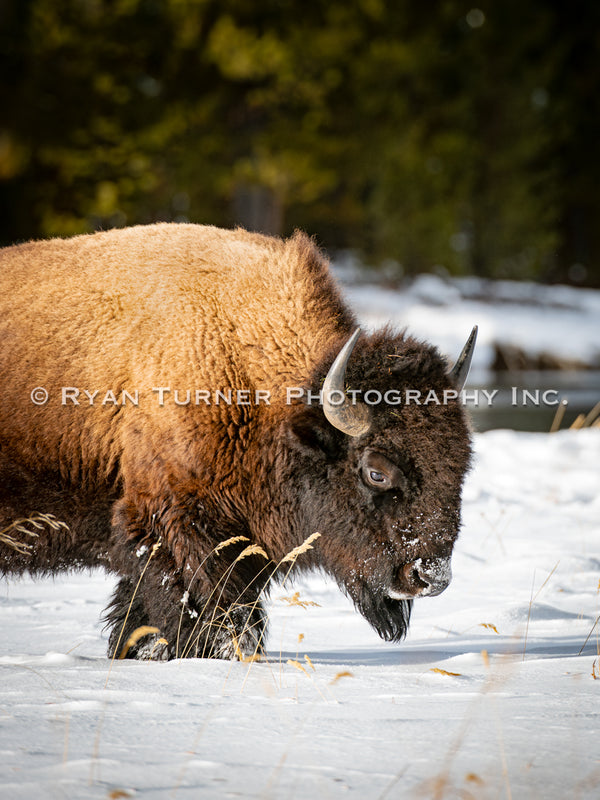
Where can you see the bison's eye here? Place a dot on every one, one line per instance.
(377, 478)
(380, 474)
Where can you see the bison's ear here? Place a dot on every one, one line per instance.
(308, 428)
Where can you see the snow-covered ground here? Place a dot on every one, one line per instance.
(494, 694)
(491, 696)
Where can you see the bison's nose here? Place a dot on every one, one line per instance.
(424, 577)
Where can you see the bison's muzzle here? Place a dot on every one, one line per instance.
(425, 577)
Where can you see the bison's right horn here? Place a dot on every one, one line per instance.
(458, 373)
(354, 420)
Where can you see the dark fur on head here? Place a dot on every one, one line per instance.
(430, 444)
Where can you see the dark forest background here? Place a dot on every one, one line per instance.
(425, 136)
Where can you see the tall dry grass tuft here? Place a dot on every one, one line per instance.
(38, 522)
(224, 621)
(270, 570)
(220, 618)
(290, 559)
(184, 599)
(589, 420)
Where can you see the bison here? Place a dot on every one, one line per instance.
(161, 391)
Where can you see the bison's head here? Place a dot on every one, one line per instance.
(380, 480)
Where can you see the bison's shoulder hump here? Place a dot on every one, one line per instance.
(171, 250)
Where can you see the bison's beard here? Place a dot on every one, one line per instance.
(389, 617)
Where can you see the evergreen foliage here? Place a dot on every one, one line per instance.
(428, 135)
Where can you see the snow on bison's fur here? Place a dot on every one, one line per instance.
(157, 485)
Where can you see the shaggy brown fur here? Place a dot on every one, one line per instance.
(199, 308)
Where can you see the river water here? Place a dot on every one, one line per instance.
(527, 401)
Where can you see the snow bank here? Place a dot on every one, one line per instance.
(556, 320)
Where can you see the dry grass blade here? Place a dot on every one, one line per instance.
(528, 616)
(37, 521)
(162, 640)
(558, 417)
(52, 522)
(532, 600)
(445, 672)
(241, 657)
(578, 422)
(297, 665)
(137, 586)
(302, 548)
(550, 574)
(138, 634)
(339, 675)
(227, 542)
(251, 550)
(310, 663)
(489, 627)
(300, 667)
(294, 600)
(588, 636)
(592, 416)
(40, 520)
(20, 547)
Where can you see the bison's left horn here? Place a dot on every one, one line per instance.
(353, 420)
(458, 373)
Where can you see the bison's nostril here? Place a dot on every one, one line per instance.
(414, 578)
(425, 577)
(421, 578)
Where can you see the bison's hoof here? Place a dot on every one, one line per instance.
(231, 648)
(151, 648)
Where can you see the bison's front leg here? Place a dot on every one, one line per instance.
(160, 612)
(131, 635)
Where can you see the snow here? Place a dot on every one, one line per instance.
(375, 720)
(492, 695)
